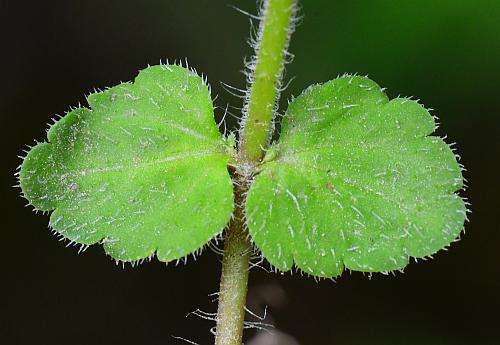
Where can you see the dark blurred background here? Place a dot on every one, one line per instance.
(446, 53)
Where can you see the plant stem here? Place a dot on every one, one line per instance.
(274, 34)
(234, 278)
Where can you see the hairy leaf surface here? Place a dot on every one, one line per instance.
(143, 170)
(355, 181)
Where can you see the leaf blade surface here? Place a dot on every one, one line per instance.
(354, 182)
(143, 170)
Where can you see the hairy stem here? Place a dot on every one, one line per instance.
(234, 278)
(274, 34)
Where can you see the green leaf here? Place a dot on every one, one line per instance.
(143, 171)
(355, 181)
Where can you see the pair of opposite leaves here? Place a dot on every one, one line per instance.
(354, 181)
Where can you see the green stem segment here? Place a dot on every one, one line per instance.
(275, 29)
(234, 278)
(274, 34)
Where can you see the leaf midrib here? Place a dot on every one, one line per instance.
(120, 167)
